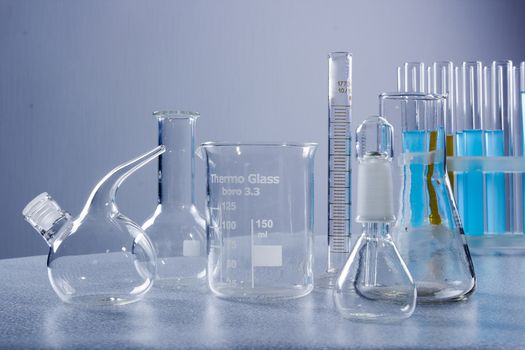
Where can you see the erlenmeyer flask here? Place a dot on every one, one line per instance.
(101, 257)
(176, 229)
(428, 232)
(375, 284)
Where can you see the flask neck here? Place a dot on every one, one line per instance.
(177, 164)
(376, 229)
(46, 217)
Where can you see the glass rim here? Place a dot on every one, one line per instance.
(259, 144)
(418, 96)
(175, 114)
(347, 53)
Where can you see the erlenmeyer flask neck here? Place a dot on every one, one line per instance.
(176, 166)
(376, 229)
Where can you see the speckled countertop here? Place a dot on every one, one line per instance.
(32, 316)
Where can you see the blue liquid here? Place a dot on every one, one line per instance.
(460, 183)
(473, 186)
(495, 184)
(415, 141)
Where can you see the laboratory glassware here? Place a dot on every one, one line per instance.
(517, 150)
(428, 232)
(259, 220)
(412, 77)
(375, 284)
(101, 257)
(176, 228)
(471, 113)
(521, 116)
(496, 92)
(458, 143)
(443, 84)
(339, 164)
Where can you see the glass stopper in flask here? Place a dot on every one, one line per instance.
(375, 284)
(101, 257)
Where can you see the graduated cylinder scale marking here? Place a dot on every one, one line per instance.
(339, 159)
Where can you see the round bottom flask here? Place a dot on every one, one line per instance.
(177, 230)
(101, 257)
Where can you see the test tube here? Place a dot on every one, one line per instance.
(501, 100)
(521, 116)
(429, 79)
(517, 136)
(443, 74)
(459, 142)
(412, 77)
(473, 146)
(494, 147)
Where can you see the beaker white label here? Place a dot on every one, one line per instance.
(267, 255)
(191, 247)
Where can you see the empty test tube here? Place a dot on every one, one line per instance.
(521, 116)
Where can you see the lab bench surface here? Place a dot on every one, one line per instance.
(32, 316)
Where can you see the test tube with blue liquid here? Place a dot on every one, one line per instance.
(493, 105)
(502, 110)
(516, 127)
(415, 139)
(519, 116)
(471, 113)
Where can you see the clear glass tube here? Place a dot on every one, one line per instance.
(176, 228)
(429, 80)
(443, 84)
(471, 113)
(459, 150)
(517, 141)
(522, 119)
(495, 216)
(412, 77)
(339, 164)
(472, 95)
(501, 100)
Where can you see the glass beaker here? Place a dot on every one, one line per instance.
(428, 231)
(260, 220)
(176, 229)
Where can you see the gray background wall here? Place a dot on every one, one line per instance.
(79, 80)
